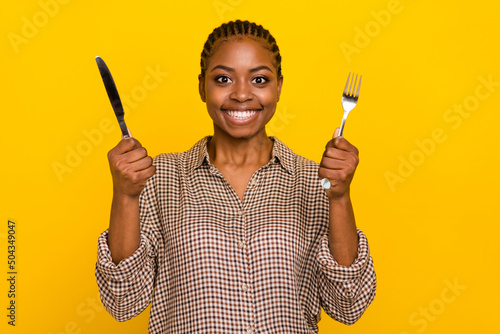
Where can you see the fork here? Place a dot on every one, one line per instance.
(349, 100)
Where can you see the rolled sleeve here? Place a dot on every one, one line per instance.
(346, 291)
(337, 272)
(126, 268)
(125, 288)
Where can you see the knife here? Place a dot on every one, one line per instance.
(114, 98)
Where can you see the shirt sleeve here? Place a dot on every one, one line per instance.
(346, 292)
(126, 288)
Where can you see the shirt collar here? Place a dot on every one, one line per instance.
(283, 154)
(280, 154)
(199, 153)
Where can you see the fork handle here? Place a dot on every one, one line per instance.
(341, 131)
(325, 183)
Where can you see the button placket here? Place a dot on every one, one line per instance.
(243, 274)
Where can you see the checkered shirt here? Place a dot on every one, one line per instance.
(211, 263)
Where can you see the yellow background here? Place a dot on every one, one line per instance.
(430, 212)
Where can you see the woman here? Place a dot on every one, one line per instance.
(236, 234)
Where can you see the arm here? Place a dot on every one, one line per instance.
(346, 292)
(338, 165)
(343, 237)
(130, 168)
(126, 263)
(346, 274)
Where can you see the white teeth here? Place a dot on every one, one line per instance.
(240, 114)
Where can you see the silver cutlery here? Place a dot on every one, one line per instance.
(349, 100)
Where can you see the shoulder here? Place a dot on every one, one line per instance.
(174, 166)
(166, 159)
(291, 160)
(305, 163)
(303, 170)
(183, 160)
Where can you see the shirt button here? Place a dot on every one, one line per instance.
(249, 330)
(241, 245)
(240, 213)
(253, 183)
(244, 287)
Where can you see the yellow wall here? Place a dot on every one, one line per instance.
(425, 191)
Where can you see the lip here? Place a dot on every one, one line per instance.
(241, 116)
(241, 108)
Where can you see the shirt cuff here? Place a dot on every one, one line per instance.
(337, 272)
(125, 268)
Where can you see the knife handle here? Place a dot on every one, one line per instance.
(124, 128)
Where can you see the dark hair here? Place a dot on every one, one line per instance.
(239, 29)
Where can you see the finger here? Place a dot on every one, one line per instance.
(129, 170)
(336, 153)
(139, 178)
(334, 175)
(126, 145)
(141, 164)
(335, 135)
(330, 163)
(134, 155)
(145, 174)
(330, 174)
(127, 136)
(342, 144)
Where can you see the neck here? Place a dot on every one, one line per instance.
(225, 150)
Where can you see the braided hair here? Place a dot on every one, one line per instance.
(239, 29)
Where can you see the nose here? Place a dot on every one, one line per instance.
(241, 92)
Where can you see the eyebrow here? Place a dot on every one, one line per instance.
(230, 69)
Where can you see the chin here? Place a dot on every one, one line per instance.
(242, 133)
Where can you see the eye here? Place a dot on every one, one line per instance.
(222, 79)
(260, 80)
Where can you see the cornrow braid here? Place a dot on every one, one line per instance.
(239, 29)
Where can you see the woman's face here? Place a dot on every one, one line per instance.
(240, 88)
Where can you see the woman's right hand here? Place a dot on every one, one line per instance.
(130, 168)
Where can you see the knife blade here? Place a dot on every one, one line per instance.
(113, 95)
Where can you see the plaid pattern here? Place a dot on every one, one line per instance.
(210, 263)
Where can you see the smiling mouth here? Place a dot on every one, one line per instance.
(241, 114)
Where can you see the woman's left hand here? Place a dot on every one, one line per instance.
(338, 165)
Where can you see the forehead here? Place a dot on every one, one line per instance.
(241, 52)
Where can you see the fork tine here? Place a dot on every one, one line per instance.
(346, 84)
(355, 81)
(359, 86)
(352, 82)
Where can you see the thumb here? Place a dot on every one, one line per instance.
(129, 134)
(336, 133)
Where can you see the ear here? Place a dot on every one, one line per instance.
(201, 87)
(280, 83)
